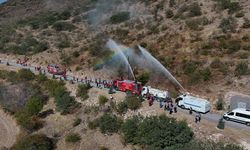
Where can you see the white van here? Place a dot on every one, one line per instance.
(194, 103)
(159, 94)
(241, 115)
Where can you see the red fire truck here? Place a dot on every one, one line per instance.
(56, 69)
(128, 85)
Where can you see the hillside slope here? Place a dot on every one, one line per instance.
(205, 44)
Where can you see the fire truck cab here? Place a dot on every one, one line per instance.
(56, 69)
(128, 85)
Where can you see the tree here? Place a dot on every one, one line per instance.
(34, 142)
(34, 105)
(109, 123)
(143, 78)
(28, 122)
(129, 129)
(65, 103)
(133, 102)
(158, 132)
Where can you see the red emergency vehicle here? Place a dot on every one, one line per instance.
(128, 85)
(56, 69)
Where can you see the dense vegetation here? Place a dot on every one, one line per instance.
(82, 91)
(72, 137)
(131, 102)
(34, 142)
(156, 132)
(64, 102)
(107, 123)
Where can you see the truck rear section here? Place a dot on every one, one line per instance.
(128, 86)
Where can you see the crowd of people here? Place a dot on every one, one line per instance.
(99, 83)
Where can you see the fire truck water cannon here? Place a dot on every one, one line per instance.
(127, 85)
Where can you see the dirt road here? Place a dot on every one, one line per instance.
(8, 130)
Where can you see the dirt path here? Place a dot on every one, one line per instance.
(8, 130)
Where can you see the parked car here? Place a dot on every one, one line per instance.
(240, 115)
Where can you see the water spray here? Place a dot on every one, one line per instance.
(156, 64)
(112, 45)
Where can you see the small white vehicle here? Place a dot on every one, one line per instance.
(241, 115)
(193, 103)
(159, 94)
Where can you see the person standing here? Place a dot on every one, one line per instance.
(175, 109)
(190, 111)
(199, 117)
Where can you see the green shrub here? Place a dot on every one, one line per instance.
(133, 102)
(93, 124)
(63, 44)
(52, 85)
(82, 91)
(34, 105)
(129, 129)
(76, 54)
(193, 24)
(104, 148)
(102, 100)
(232, 6)
(242, 69)
(34, 142)
(206, 74)
(158, 132)
(109, 123)
(190, 67)
(28, 122)
(63, 26)
(30, 45)
(243, 55)
(197, 144)
(25, 74)
(239, 14)
(77, 122)
(122, 107)
(120, 17)
(220, 104)
(41, 20)
(228, 24)
(65, 103)
(194, 10)
(65, 15)
(41, 77)
(169, 13)
(233, 46)
(143, 77)
(246, 23)
(72, 137)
